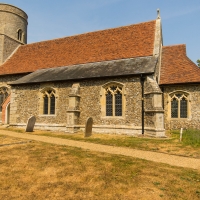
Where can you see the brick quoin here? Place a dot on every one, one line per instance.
(4, 105)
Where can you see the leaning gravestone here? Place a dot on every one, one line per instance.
(88, 127)
(30, 124)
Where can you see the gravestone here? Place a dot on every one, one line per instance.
(88, 127)
(30, 124)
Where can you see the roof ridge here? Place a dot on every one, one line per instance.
(91, 32)
(174, 45)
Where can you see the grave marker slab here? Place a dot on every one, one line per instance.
(88, 127)
(30, 124)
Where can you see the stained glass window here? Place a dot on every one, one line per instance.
(113, 101)
(109, 102)
(49, 102)
(52, 104)
(179, 106)
(183, 108)
(118, 104)
(174, 108)
(46, 102)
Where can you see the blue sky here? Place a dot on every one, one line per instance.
(49, 19)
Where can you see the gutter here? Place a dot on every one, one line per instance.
(142, 79)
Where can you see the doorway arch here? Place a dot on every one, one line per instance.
(7, 114)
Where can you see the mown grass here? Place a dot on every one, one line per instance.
(43, 171)
(189, 146)
(190, 137)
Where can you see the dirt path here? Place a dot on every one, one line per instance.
(147, 155)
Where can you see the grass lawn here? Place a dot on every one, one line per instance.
(189, 146)
(35, 171)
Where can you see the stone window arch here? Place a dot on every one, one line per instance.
(4, 93)
(20, 35)
(48, 101)
(112, 99)
(179, 105)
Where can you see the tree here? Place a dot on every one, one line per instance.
(198, 62)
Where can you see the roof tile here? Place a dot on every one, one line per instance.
(111, 44)
(176, 67)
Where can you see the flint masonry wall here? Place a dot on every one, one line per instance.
(4, 80)
(194, 110)
(90, 102)
(26, 101)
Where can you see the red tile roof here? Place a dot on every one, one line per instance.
(176, 67)
(111, 44)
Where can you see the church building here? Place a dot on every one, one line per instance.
(124, 78)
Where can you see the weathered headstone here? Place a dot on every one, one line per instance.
(88, 127)
(30, 124)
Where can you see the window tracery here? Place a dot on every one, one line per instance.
(113, 95)
(179, 105)
(49, 102)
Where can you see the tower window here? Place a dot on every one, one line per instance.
(19, 34)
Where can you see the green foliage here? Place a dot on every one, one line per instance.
(198, 62)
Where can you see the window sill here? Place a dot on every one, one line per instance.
(179, 118)
(112, 117)
(47, 115)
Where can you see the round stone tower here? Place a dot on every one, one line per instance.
(13, 29)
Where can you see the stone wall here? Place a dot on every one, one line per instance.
(193, 121)
(12, 19)
(9, 45)
(90, 105)
(4, 80)
(1, 47)
(26, 101)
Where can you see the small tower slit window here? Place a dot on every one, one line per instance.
(19, 35)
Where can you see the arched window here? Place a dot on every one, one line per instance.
(19, 34)
(113, 94)
(3, 95)
(49, 102)
(179, 105)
